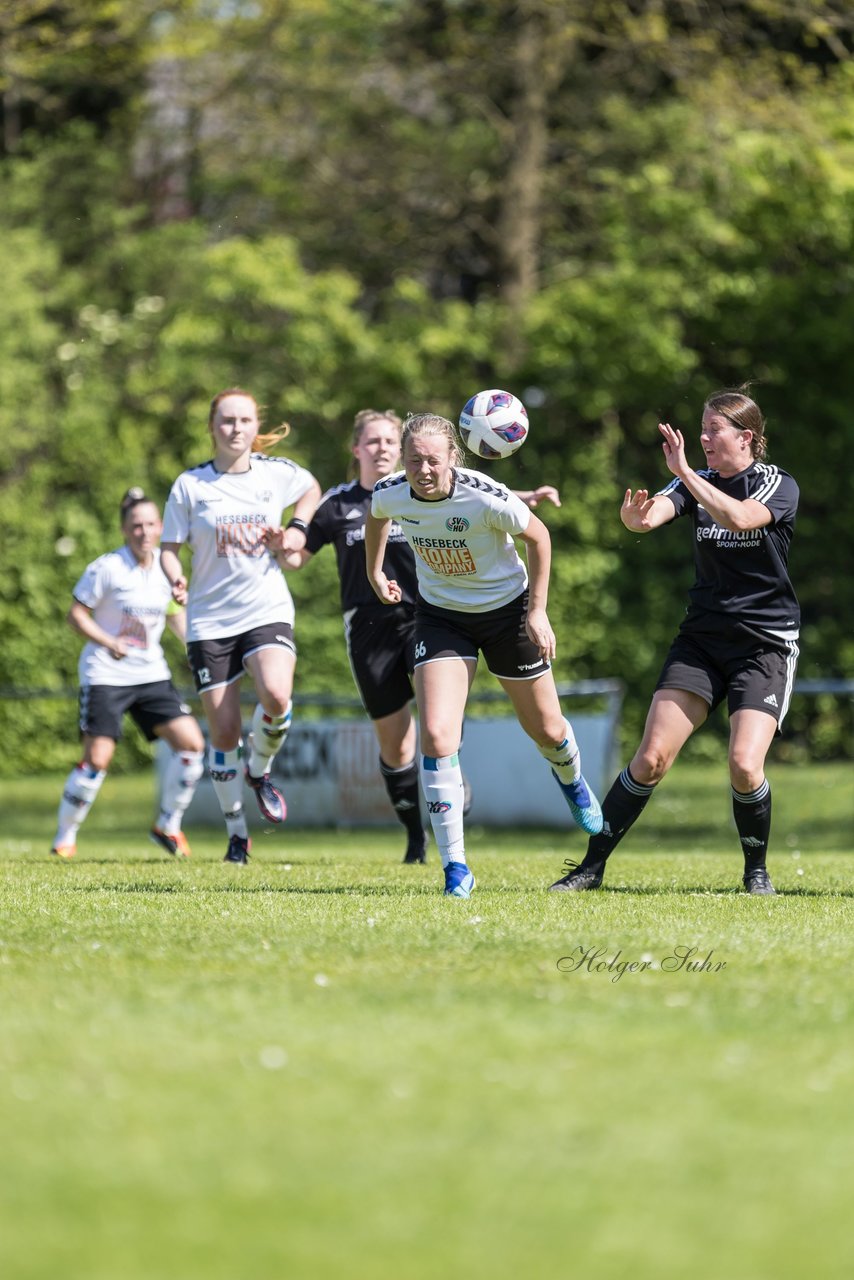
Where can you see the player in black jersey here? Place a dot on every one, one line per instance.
(739, 636)
(379, 637)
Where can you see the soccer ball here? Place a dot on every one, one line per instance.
(494, 424)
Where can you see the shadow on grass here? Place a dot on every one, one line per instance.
(704, 891)
(431, 890)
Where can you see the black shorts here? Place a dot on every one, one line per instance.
(498, 633)
(103, 707)
(215, 663)
(380, 644)
(752, 671)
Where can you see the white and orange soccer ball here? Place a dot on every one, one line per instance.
(494, 424)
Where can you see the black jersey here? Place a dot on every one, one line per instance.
(743, 575)
(340, 519)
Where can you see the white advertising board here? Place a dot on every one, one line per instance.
(329, 773)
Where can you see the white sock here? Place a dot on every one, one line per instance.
(179, 782)
(442, 782)
(268, 738)
(78, 795)
(227, 778)
(565, 758)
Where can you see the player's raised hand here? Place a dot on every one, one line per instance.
(545, 493)
(635, 510)
(673, 447)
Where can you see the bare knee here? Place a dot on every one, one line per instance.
(275, 702)
(440, 737)
(225, 732)
(182, 734)
(649, 765)
(549, 732)
(99, 755)
(745, 772)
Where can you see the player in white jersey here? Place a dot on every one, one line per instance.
(240, 611)
(380, 638)
(121, 604)
(474, 595)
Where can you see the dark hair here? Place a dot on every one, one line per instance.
(134, 496)
(263, 440)
(744, 414)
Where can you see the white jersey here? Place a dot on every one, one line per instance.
(127, 601)
(235, 583)
(464, 555)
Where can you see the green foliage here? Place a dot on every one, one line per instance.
(319, 219)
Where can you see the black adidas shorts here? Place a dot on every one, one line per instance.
(498, 633)
(380, 644)
(750, 670)
(215, 663)
(102, 707)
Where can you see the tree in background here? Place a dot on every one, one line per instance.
(614, 208)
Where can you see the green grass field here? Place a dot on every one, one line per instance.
(320, 1067)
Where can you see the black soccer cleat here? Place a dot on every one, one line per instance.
(238, 850)
(757, 880)
(271, 802)
(416, 849)
(579, 877)
(176, 843)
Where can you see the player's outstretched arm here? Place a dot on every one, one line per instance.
(641, 513)
(533, 497)
(376, 537)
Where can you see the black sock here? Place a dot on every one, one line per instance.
(402, 786)
(752, 813)
(623, 804)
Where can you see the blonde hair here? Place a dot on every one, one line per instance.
(264, 440)
(432, 424)
(365, 417)
(744, 414)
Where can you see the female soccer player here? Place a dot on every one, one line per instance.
(739, 636)
(121, 604)
(240, 612)
(473, 594)
(380, 637)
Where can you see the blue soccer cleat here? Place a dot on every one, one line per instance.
(583, 805)
(459, 881)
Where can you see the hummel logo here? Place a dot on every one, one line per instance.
(751, 842)
(353, 515)
(771, 700)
